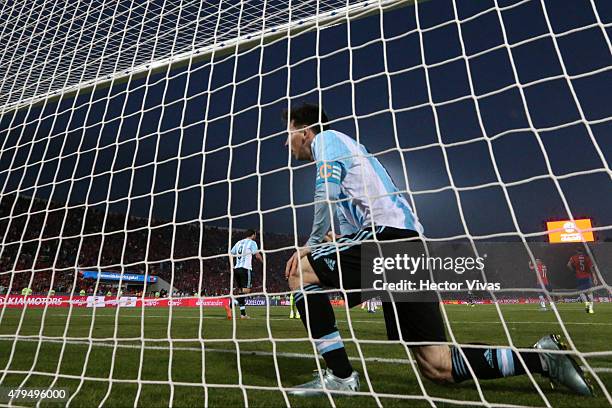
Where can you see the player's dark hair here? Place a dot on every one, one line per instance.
(308, 115)
(249, 233)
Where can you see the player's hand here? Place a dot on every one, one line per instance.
(331, 237)
(294, 261)
(292, 264)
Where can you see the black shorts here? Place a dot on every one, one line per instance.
(419, 321)
(243, 278)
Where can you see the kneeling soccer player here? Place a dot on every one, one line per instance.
(345, 172)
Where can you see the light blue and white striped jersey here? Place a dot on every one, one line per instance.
(344, 226)
(245, 249)
(368, 194)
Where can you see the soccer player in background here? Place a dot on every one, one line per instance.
(294, 312)
(581, 264)
(542, 275)
(344, 170)
(471, 299)
(244, 250)
(371, 304)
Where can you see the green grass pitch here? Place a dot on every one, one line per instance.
(173, 365)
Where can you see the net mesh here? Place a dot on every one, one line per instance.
(146, 136)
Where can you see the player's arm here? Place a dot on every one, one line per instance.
(234, 252)
(331, 235)
(570, 266)
(327, 190)
(591, 269)
(328, 153)
(257, 253)
(344, 226)
(321, 222)
(590, 266)
(594, 277)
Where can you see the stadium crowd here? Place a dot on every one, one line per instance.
(45, 245)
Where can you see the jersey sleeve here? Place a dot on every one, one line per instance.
(234, 249)
(330, 172)
(332, 158)
(324, 195)
(254, 247)
(346, 228)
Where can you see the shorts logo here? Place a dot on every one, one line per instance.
(331, 264)
(489, 357)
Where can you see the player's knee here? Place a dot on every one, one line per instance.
(435, 363)
(433, 373)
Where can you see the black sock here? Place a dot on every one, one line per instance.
(492, 363)
(323, 327)
(242, 305)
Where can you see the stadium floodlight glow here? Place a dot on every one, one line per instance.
(568, 231)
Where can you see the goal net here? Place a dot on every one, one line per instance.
(139, 141)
